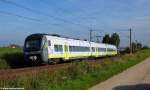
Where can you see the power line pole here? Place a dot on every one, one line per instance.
(98, 37)
(90, 40)
(136, 45)
(91, 35)
(130, 41)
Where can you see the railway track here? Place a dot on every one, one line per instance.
(29, 71)
(33, 71)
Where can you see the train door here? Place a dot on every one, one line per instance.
(44, 50)
(66, 51)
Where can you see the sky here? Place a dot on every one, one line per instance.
(74, 18)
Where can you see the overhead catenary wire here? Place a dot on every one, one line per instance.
(20, 16)
(66, 11)
(25, 17)
(85, 17)
(41, 13)
(77, 16)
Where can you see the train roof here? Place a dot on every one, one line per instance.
(60, 36)
(54, 35)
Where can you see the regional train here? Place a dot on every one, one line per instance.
(47, 49)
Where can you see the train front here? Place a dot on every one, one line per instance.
(32, 49)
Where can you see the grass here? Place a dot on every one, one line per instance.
(78, 76)
(11, 58)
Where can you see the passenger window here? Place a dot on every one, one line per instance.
(93, 49)
(102, 49)
(49, 43)
(58, 48)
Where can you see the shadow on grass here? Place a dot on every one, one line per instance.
(133, 87)
(14, 60)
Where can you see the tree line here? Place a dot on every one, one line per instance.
(114, 39)
(136, 47)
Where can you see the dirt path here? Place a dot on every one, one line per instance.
(134, 78)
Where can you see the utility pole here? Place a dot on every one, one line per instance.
(90, 40)
(91, 35)
(130, 41)
(136, 45)
(98, 41)
(98, 38)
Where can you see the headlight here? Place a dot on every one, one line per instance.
(33, 58)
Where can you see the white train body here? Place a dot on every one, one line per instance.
(53, 47)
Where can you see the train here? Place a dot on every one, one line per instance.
(46, 49)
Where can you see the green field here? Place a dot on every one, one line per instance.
(78, 76)
(11, 58)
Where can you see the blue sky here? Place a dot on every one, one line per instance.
(106, 16)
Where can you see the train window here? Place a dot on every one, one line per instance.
(102, 49)
(70, 48)
(58, 48)
(93, 49)
(33, 44)
(78, 49)
(49, 43)
(110, 50)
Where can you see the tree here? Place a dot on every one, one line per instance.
(115, 39)
(106, 39)
(127, 50)
(139, 45)
(133, 46)
(145, 47)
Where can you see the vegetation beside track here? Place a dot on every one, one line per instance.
(78, 76)
(11, 58)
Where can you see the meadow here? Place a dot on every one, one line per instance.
(11, 58)
(78, 76)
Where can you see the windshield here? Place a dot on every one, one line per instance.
(33, 45)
